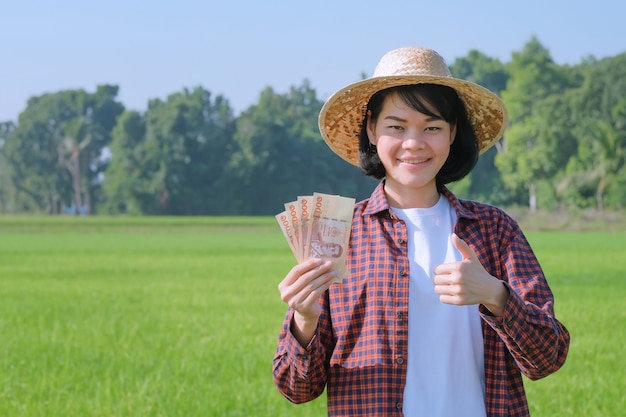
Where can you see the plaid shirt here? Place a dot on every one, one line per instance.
(358, 351)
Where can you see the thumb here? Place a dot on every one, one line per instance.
(464, 249)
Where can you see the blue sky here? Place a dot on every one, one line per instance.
(237, 48)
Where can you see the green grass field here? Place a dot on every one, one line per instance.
(179, 317)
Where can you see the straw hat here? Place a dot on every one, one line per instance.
(342, 115)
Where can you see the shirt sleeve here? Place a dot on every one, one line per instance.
(536, 340)
(299, 372)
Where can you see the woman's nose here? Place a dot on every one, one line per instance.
(413, 140)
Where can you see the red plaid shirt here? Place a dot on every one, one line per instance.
(358, 351)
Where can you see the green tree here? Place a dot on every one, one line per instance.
(270, 166)
(55, 150)
(282, 155)
(529, 150)
(482, 70)
(596, 170)
(172, 160)
(484, 182)
(124, 187)
(603, 88)
(599, 163)
(76, 138)
(7, 190)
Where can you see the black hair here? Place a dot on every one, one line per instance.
(432, 100)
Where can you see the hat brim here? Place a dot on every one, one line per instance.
(341, 116)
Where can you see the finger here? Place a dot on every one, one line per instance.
(306, 296)
(320, 283)
(443, 290)
(319, 286)
(451, 299)
(302, 275)
(448, 273)
(444, 269)
(300, 269)
(451, 277)
(463, 248)
(450, 294)
(440, 279)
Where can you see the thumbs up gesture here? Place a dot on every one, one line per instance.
(466, 282)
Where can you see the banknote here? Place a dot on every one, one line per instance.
(293, 216)
(285, 225)
(330, 227)
(318, 226)
(304, 204)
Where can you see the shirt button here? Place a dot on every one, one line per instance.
(400, 360)
(402, 273)
(401, 241)
(398, 405)
(399, 315)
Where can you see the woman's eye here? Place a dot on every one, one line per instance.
(433, 128)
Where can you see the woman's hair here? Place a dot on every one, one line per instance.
(432, 100)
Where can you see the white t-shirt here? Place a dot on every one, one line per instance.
(445, 363)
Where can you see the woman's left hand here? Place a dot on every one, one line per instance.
(467, 282)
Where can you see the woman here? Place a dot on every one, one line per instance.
(445, 306)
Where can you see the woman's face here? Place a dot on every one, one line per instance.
(412, 147)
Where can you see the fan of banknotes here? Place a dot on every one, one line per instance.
(318, 226)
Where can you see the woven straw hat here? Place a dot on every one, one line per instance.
(342, 115)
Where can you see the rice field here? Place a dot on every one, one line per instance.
(179, 317)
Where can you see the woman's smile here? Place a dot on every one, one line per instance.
(412, 146)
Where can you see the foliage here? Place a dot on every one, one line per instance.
(7, 189)
(481, 69)
(485, 181)
(55, 151)
(281, 155)
(531, 145)
(598, 166)
(190, 155)
(170, 161)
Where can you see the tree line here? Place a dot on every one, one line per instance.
(75, 152)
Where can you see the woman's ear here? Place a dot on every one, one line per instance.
(371, 128)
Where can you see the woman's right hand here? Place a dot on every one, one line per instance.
(301, 290)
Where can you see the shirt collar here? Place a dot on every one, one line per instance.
(378, 203)
(457, 205)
